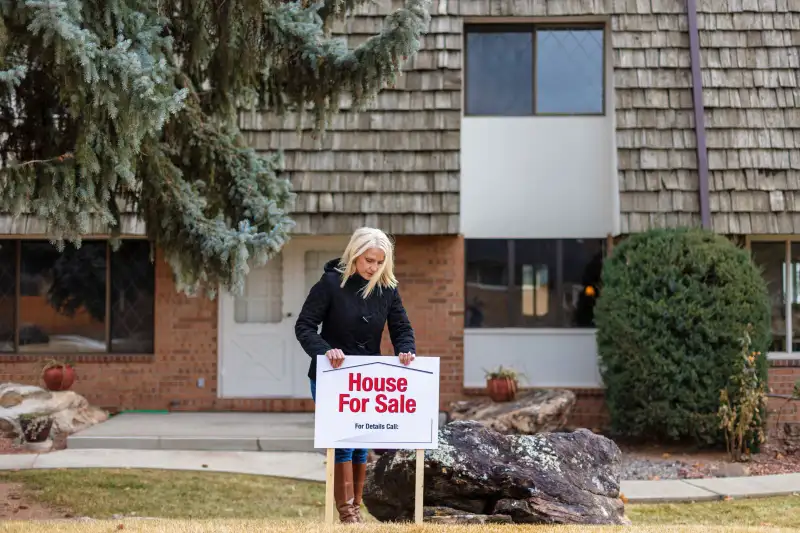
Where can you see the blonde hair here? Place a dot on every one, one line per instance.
(362, 240)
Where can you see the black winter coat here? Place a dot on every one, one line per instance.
(349, 322)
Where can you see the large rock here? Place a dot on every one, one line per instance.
(71, 412)
(530, 413)
(555, 478)
(791, 437)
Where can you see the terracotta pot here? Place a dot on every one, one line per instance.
(36, 433)
(59, 378)
(501, 389)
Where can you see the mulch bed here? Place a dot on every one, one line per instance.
(652, 462)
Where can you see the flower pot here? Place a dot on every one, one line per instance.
(59, 378)
(501, 389)
(39, 447)
(36, 429)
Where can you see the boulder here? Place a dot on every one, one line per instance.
(71, 412)
(791, 437)
(551, 478)
(528, 414)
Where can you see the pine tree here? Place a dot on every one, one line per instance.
(114, 106)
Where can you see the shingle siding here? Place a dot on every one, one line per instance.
(403, 156)
(395, 166)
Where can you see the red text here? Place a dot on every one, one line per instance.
(368, 384)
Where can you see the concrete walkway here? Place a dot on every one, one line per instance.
(311, 467)
(241, 432)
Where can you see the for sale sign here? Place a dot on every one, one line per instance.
(377, 402)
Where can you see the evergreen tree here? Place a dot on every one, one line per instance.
(113, 106)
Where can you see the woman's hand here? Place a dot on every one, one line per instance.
(336, 357)
(407, 357)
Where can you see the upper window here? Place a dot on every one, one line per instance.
(524, 69)
(82, 300)
(532, 283)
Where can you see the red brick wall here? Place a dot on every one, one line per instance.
(430, 270)
(590, 408)
(431, 275)
(782, 377)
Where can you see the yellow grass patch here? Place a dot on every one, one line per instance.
(265, 526)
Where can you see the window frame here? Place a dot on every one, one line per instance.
(533, 28)
(510, 244)
(788, 242)
(16, 353)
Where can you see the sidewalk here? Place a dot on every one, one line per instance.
(311, 467)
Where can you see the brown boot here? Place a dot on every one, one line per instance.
(359, 475)
(343, 492)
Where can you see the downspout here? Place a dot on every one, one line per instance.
(699, 114)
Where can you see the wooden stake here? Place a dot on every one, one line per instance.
(329, 464)
(420, 487)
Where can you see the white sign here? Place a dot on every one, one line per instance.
(377, 402)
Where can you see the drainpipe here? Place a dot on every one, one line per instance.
(699, 114)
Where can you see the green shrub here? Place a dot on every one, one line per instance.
(673, 309)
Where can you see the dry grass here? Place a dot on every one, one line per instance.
(762, 513)
(261, 526)
(105, 493)
(201, 496)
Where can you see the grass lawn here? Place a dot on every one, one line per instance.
(241, 526)
(207, 495)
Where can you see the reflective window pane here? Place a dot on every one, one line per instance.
(499, 73)
(132, 298)
(795, 316)
(551, 283)
(262, 300)
(486, 292)
(62, 304)
(8, 292)
(582, 267)
(569, 71)
(771, 259)
(536, 283)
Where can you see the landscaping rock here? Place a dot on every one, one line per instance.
(555, 478)
(71, 412)
(530, 413)
(730, 470)
(791, 437)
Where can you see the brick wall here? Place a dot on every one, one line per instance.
(590, 407)
(590, 410)
(782, 377)
(430, 270)
(431, 275)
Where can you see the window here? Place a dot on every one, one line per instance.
(524, 69)
(779, 262)
(262, 299)
(532, 283)
(85, 300)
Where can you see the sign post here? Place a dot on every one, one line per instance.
(377, 402)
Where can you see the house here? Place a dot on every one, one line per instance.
(524, 140)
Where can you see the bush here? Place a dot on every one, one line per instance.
(674, 307)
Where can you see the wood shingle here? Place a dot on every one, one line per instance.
(750, 58)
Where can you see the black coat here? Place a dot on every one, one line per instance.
(349, 322)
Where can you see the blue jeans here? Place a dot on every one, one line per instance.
(342, 455)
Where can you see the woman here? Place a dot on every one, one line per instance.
(354, 300)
